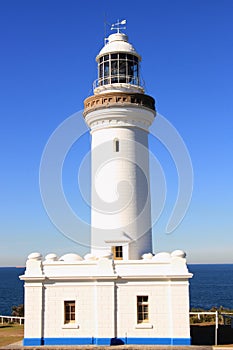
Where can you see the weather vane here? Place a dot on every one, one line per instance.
(119, 25)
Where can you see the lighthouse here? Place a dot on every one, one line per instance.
(119, 115)
(120, 292)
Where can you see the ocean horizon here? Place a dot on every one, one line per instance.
(211, 286)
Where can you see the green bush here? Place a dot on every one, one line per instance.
(18, 310)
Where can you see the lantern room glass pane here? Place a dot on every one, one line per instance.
(130, 70)
(130, 57)
(122, 71)
(114, 71)
(101, 69)
(106, 72)
(106, 69)
(122, 55)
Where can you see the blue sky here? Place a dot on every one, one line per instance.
(47, 67)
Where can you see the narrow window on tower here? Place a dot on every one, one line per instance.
(116, 145)
(117, 252)
(69, 311)
(142, 309)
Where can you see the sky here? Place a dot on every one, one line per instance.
(47, 68)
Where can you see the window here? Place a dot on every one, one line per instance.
(69, 311)
(116, 145)
(142, 309)
(117, 252)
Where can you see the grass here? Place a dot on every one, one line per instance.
(10, 333)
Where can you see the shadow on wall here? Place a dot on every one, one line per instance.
(205, 335)
(116, 341)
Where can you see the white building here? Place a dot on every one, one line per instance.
(120, 290)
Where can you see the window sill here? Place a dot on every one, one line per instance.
(144, 326)
(70, 326)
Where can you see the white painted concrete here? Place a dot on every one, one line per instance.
(105, 293)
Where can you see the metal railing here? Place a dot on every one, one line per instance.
(20, 320)
(118, 79)
(216, 321)
(7, 319)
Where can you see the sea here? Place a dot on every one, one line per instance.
(211, 286)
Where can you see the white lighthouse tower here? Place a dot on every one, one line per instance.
(119, 115)
(120, 292)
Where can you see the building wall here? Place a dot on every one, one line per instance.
(55, 295)
(127, 310)
(105, 310)
(168, 313)
(34, 308)
(105, 293)
(180, 309)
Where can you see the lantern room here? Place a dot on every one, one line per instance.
(118, 65)
(118, 68)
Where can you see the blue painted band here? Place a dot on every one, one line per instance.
(32, 341)
(181, 341)
(68, 341)
(105, 341)
(102, 341)
(158, 341)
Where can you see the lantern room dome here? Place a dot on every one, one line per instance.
(118, 42)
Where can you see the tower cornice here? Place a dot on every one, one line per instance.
(118, 99)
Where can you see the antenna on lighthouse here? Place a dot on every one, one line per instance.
(119, 25)
(106, 24)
